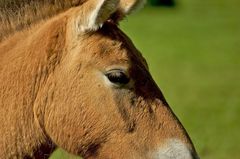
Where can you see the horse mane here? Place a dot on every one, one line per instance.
(16, 15)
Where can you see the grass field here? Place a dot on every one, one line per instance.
(193, 51)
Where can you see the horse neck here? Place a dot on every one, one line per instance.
(34, 54)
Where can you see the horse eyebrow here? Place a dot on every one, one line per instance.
(16, 15)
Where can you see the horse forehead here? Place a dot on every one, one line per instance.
(111, 46)
(107, 48)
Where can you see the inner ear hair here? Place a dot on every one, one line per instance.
(125, 8)
(128, 6)
(94, 13)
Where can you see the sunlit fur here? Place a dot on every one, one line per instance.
(16, 15)
(53, 92)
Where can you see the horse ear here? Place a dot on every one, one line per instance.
(128, 6)
(94, 13)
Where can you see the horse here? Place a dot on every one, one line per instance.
(70, 78)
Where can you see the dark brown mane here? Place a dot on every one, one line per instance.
(16, 15)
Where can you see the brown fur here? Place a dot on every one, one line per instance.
(15, 15)
(52, 93)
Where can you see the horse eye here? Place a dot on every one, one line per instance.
(117, 77)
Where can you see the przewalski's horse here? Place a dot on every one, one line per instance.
(70, 78)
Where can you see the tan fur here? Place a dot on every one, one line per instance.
(127, 6)
(53, 93)
(19, 14)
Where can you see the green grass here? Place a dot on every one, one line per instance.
(193, 51)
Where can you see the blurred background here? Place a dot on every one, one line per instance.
(193, 50)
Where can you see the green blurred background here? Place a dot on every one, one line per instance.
(193, 50)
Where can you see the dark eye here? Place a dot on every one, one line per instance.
(117, 77)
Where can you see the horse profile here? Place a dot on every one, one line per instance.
(70, 78)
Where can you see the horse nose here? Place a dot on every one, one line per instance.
(175, 149)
